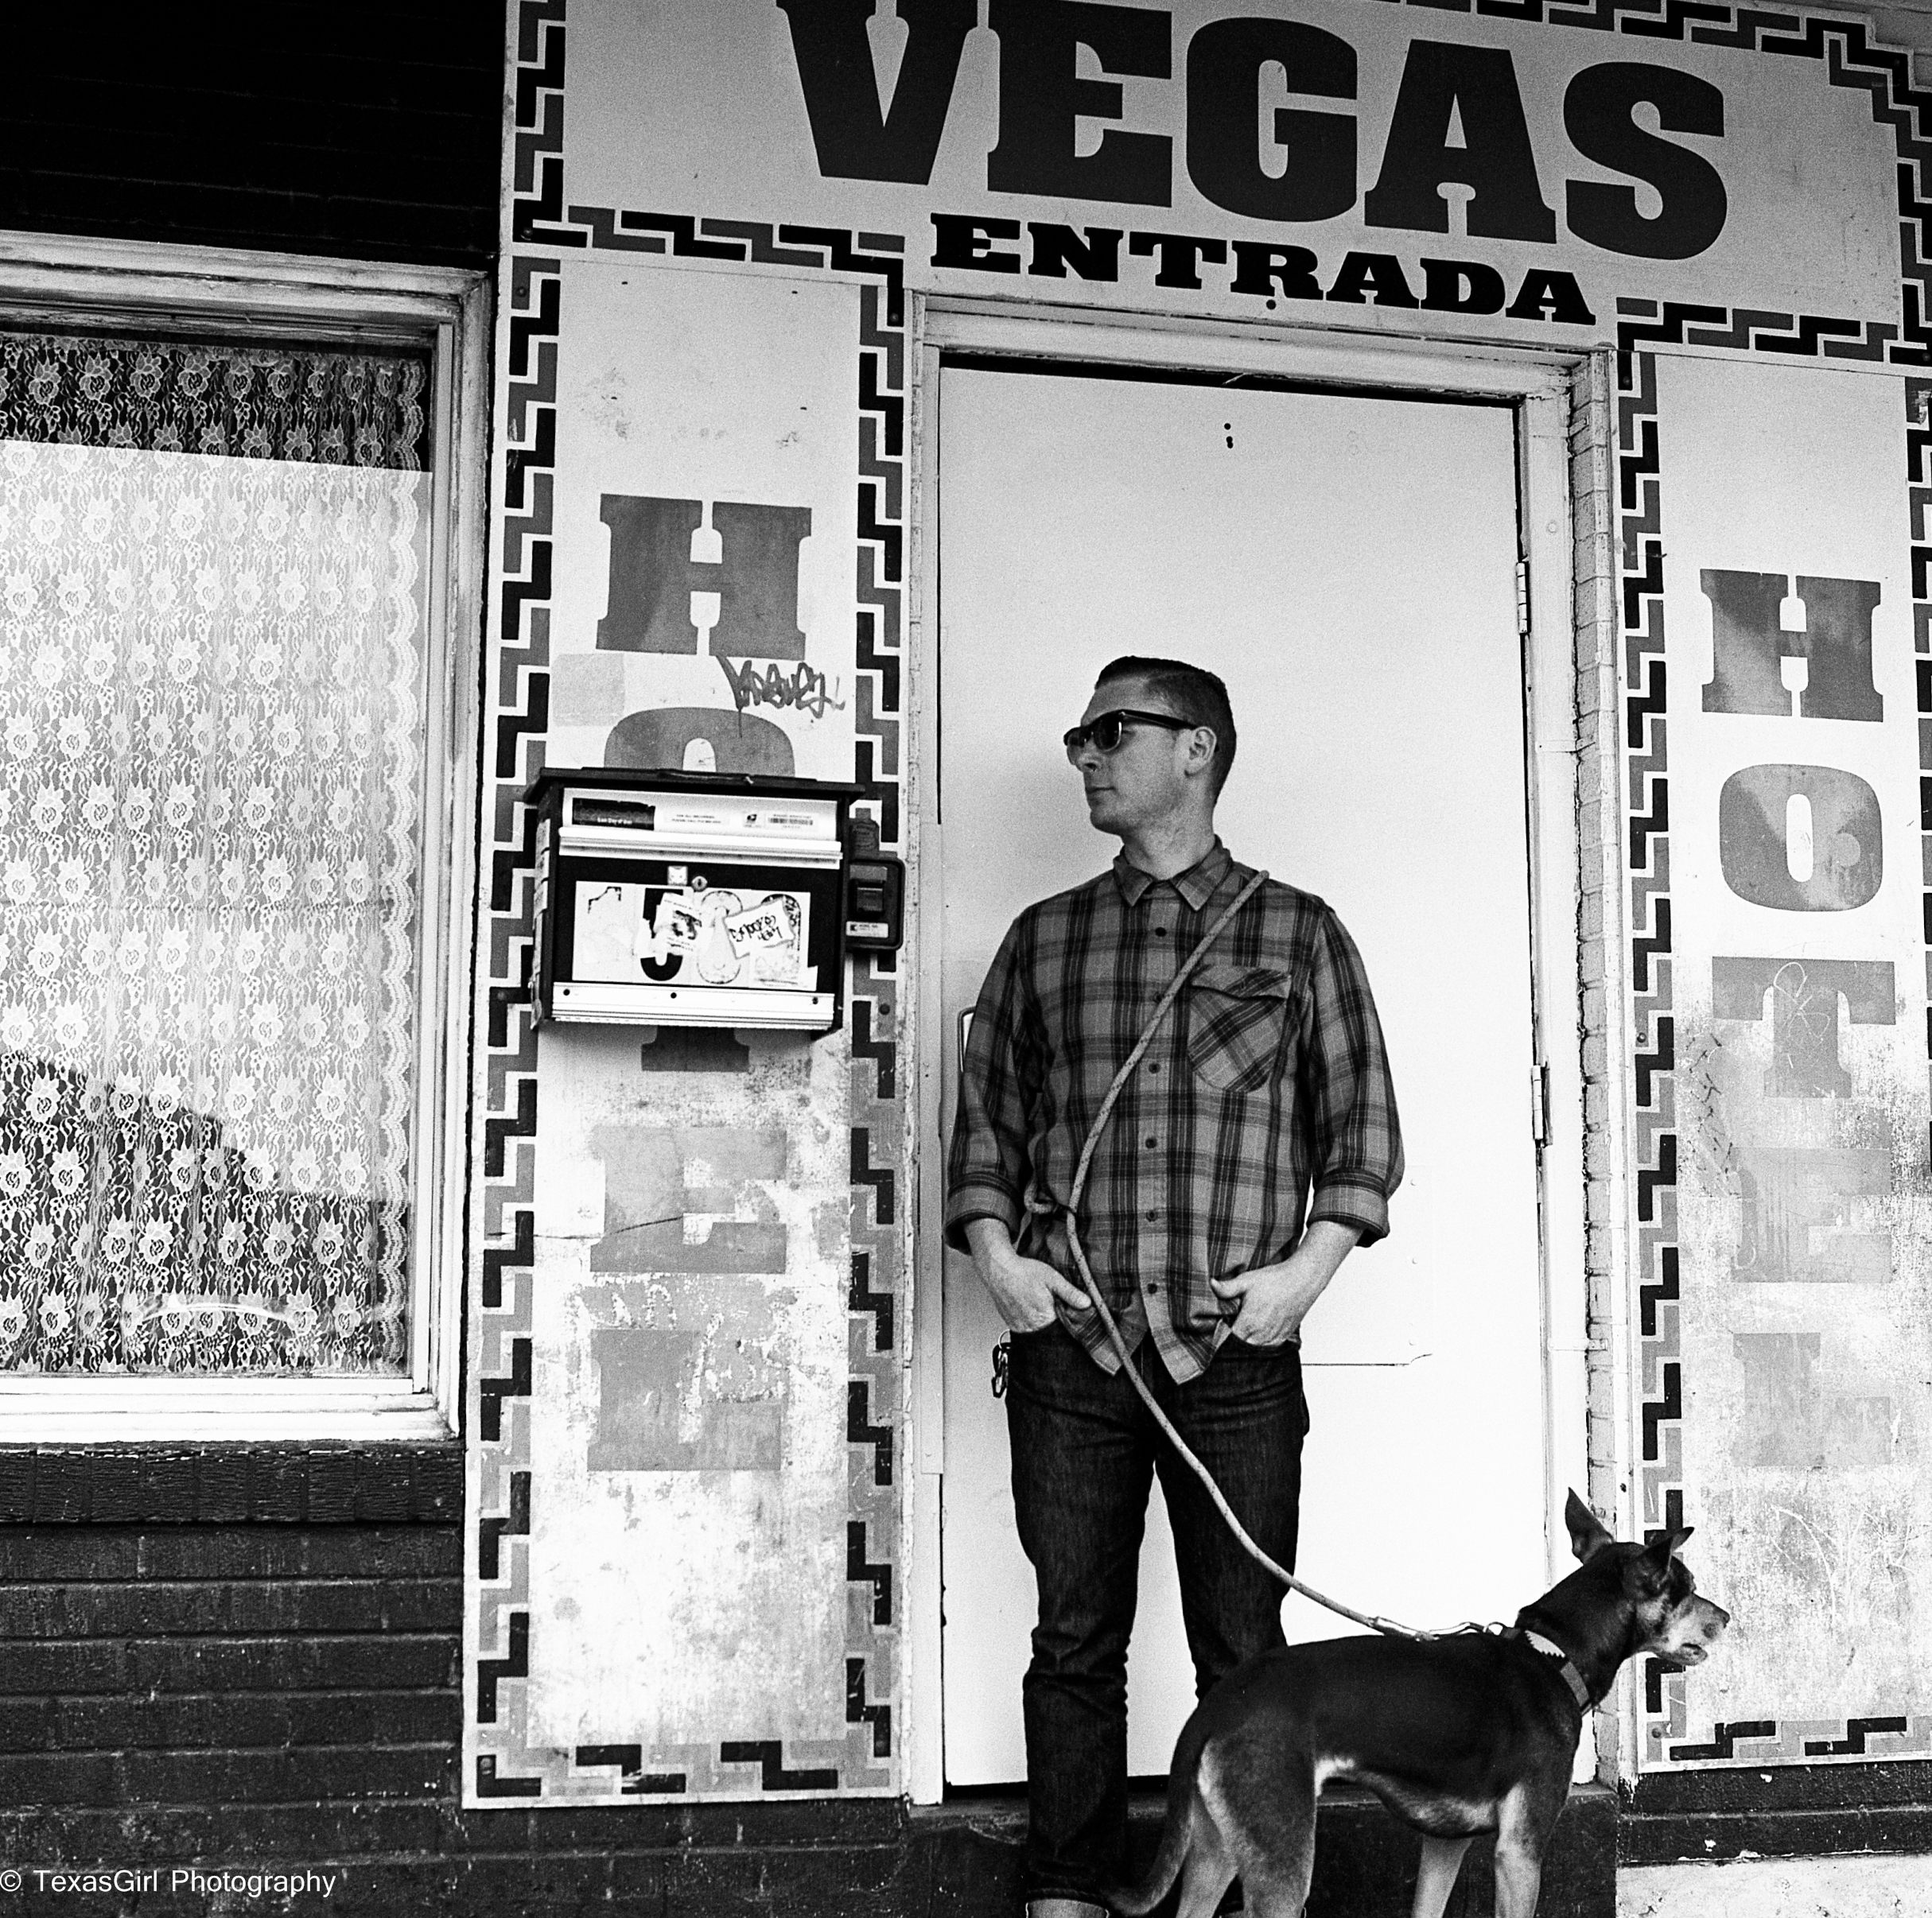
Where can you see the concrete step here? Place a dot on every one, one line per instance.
(1365, 1861)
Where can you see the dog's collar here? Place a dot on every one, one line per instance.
(1548, 1648)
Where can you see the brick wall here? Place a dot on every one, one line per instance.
(249, 1659)
(226, 1653)
(1599, 924)
(366, 128)
(1600, 928)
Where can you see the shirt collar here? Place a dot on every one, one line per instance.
(1197, 885)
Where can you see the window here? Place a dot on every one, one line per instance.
(232, 663)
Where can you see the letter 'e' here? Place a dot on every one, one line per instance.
(1043, 98)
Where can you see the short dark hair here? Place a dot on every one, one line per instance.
(1196, 695)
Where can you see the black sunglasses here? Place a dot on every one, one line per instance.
(1106, 729)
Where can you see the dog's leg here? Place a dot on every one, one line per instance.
(1210, 1872)
(1266, 1827)
(1275, 1875)
(1519, 1879)
(1526, 1819)
(1280, 1889)
(1442, 1858)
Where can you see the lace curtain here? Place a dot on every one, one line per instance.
(211, 684)
(165, 396)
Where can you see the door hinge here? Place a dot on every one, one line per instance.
(1522, 599)
(1539, 1105)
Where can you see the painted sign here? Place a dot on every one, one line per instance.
(1382, 166)
(1787, 1270)
(687, 1328)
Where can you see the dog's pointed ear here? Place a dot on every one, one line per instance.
(1653, 1567)
(1588, 1536)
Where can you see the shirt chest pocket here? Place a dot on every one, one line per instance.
(1238, 1019)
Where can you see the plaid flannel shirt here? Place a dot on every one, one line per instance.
(1268, 1078)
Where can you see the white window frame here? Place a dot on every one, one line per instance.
(137, 286)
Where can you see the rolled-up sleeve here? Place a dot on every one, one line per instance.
(986, 1166)
(1357, 1138)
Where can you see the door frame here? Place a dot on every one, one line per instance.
(1548, 390)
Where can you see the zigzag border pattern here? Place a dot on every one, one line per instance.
(1653, 1119)
(504, 1765)
(516, 718)
(1850, 60)
(1650, 323)
(879, 1087)
(753, 242)
(1868, 1740)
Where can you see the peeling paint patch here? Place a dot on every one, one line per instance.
(587, 688)
(689, 1199)
(694, 1049)
(832, 1227)
(672, 1402)
(1801, 1215)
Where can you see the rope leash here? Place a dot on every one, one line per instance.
(1388, 1626)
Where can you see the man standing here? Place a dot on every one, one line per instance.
(1255, 1145)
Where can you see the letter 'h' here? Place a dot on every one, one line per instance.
(653, 576)
(1748, 641)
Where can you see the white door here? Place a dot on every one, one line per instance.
(1347, 563)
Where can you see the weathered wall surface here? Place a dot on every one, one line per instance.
(1856, 1887)
(1786, 1341)
(1767, 309)
(689, 1326)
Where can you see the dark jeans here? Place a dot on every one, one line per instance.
(1084, 1449)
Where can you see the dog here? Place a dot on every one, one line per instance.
(1474, 1731)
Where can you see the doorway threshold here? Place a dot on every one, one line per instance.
(1365, 1861)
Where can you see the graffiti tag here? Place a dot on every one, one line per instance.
(805, 688)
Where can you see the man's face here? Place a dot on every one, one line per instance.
(1141, 782)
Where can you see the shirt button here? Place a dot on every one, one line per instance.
(1153, 1211)
(1153, 1069)
(1160, 931)
(1154, 1285)
(1152, 1143)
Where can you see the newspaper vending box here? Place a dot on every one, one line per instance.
(689, 899)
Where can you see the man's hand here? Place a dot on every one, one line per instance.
(1024, 1290)
(1274, 1299)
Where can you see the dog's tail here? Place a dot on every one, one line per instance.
(1132, 1901)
